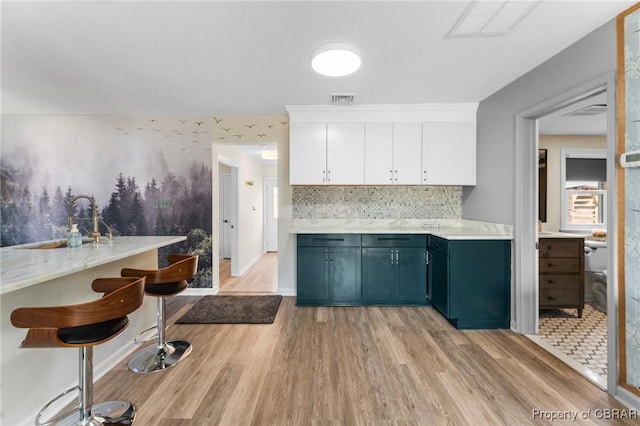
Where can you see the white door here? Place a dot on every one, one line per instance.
(378, 153)
(345, 153)
(225, 216)
(407, 153)
(271, 214)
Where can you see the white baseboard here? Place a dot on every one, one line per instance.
(627, 398)
(286, 291)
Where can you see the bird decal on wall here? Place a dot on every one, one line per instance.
(226, 129)
(199, 122)
(218, 120)
(261, 135)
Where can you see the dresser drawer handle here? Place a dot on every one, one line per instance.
(551, 298)
(551, 281)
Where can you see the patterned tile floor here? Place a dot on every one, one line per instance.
(582, 339)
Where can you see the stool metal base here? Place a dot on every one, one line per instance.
(154, 358)
(104, 413)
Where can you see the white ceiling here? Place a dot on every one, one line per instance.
(252, 58)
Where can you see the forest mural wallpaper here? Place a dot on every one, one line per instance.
(148, 176)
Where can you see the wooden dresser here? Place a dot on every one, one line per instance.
(561, 265)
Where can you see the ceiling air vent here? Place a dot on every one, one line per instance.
(342, 98)
(590, 110)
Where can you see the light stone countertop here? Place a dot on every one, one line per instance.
(22, 266)
(451, 229)
(548, 234)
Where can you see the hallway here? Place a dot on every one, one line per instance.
(261, 278)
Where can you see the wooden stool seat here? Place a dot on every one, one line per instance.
(162, 283)
(84, 326)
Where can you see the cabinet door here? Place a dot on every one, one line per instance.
(378, 153)
(412, 275)
(344, 274)
(439, 281)
(312, 274)
(307, 153)
(449, 153)
(378, 274)
(407, 152)
(345, 153)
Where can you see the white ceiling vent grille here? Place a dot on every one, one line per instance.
(590, 110)
(491, 18)
(342, 98)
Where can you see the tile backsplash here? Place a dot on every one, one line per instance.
(377, 202)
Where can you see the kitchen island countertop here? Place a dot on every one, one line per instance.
(23, 266)
(451, 229)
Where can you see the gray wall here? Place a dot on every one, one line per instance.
(493, 197)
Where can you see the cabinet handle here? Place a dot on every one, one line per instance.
(424, 175)
(323, 177)
(426, 257)
(396, 175)
(328, 176)
(551, 298)
(391, 175)
(396, 257)
(551, 281)
(391, 256)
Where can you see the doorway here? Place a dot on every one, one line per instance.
(525, 228)
(572, 195)
(228, 216)
(248, 184)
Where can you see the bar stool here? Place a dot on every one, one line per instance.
(83, 326)
(161, 283)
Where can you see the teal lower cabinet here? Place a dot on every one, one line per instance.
(394, 270)
(470, 281)
(328, 269)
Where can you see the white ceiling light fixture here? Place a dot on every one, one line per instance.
(336, 59)
(491, 18)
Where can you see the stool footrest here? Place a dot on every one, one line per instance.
(157, 358)
(147, 335)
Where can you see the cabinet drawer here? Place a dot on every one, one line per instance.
(329, 240)
(394, 240)
(560, 265)
(561, 247)
(559, 281)
(438, 244)
(559, 290)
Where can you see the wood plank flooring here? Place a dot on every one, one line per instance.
(353, 366)
(261, 277)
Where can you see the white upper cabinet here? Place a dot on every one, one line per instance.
(326, 153)
(407, 153)
(345, 153)
(429, 144)
(307, 153)
(393, 153)
(449, 153)
(378, 153)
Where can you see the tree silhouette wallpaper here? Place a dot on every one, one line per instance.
(148, 176)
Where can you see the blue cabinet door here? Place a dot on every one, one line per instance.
(344, 274)
(378, 275)
(411, 273)
(439, 281)
(313, 274)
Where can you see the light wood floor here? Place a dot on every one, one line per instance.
(351, 366)
(262, 277)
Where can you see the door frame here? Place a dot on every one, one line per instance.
(233, 215)
(265, 194)
(526, 207)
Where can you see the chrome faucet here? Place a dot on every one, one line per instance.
(96, 233)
